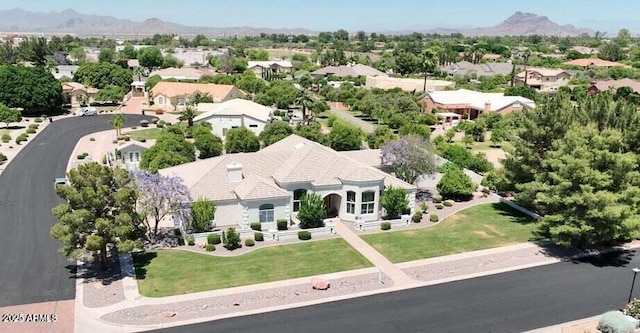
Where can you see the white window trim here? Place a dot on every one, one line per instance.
(266, 212)
(367, 207)
(351, 205)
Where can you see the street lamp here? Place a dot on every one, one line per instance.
(636, 270)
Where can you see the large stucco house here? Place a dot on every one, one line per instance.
(233, 114)
(77, 94)
(543, 79)
(473, 103)
(267, 185)
(173, 96)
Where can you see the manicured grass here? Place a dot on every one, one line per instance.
(148, 134)
(487, 145)
(174, 272)
(476, 228)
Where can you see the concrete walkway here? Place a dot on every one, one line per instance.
(348, 117)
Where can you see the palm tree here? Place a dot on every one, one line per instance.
(139, 72)
(428, 63)
(525, 56)
(199, 97)
(307, 101)
(117, 121)
(188, 114)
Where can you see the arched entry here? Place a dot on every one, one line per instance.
(332, 204)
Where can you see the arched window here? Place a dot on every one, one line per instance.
(368, 202)
(266, 213)
(297, 195)
(351, 202)
(161, 100)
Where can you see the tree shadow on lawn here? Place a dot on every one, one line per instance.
(505, 210)
(14, 127)
(94, 272)
(615, 258)
(141, 260)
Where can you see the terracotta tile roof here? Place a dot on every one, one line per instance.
(615, 84)
(546, 72)
(179, 89)
(593, 62)
(71, 87)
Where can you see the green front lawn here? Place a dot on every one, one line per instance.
(476, 228)
(148, 134)
(174, 272)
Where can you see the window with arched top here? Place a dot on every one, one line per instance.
(351, 202)
(266, 213)
(297, 196)
(161, 100)
(368, 202)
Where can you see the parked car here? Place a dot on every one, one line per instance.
(59, 181)
(90, 111)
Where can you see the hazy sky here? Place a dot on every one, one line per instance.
(348, 14)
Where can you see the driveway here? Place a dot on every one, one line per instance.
(510, 302)
(31, 269)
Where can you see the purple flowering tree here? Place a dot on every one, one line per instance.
(410, 157)
(159, 196)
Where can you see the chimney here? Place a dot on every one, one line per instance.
(234, 172)
(487, 107)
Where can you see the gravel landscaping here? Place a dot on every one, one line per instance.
(159, 314)
(102, 287)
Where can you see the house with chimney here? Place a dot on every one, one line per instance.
(471, 104)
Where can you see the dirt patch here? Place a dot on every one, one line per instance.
(455, 218)
(495, 156)
(493, 229)
(380, 247)
(482, 234)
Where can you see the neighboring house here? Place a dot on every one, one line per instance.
(584, 50)
(77, 94)
(175, 95)
(489, 57)
(64, 71)
(267, 185)
(133, 63)
(353, 70)
(233, 114)
(408, 85)
(181, 74)
(594, 62)
(274, 67)
(473, 103)
(600, 86)
(128, 155)
(195, 56)
(479, 70)
(543, 79)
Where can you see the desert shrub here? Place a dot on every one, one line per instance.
(30, 130)
(144, 123)
(259, 237)
(448, 203)
(424, 207)
(92, 139)
(38, 120)
(34, 126)
(437, 199)
(385, 226)
(433, 218)
(3, 158)
(304, 235)
(180, 241)
(82, 156)
(6, 138)
(417, 217)
(191, 241)
(257, 226)
(213, 239)
(633, 309)
(249, 242)
(615, 322)
(439, 206)
(210, 247)
(283, 224)
(231, 239)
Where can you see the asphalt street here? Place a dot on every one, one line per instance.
(31, 269)
(509, 302)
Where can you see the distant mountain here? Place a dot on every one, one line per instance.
(521, 24)
(71, 22)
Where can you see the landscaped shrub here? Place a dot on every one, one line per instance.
(38, 120)
(21, 138)
(437, 199)
(615, 322)
(213, 239)
(3, 158)
(92, 139)
(191, 241)
(143, 140)
(202, 214)
(417, 217)
(83, 156)
(257, 226)
(394, 201)
(210, 247)
(104, 159)
(456, 185)
(448, 203)
(155, 121)
(258, 236)
(434, 218)
(424, 207)
(231, 239)
(31, 130)
(439, 206)
(114, 141)
(312, 211)
(160, 125)
(133, 128)
(304, 235)
(144, 123)
(126, 138)
(633, 309)
(6, 138)
(34, 126)
(385, 226)
(180, 241)
(283, 224)
(249, 242)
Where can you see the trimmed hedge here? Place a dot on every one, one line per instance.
(417, 217)
(434, 218)
(34, 126)
(439, 206)
(6, 138)
(304, 235)
(259, 237)
(214, 239)
(448, 203)
(31, 130)
(3, 158)
(437, 199)
(257, 226)
(210, 247)
(82, 156)
(385, 226)
(249, 242)
(283, 224)
(38, 120)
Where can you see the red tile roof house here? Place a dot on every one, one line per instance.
(172, 96)
(600, 86)
(77, 94)
(594, 62)
(267, 185)
(543, 79)
(473, 103)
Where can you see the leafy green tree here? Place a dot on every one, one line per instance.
(129, 52)
(170, 149)
(307, 101)
(465, 158)
(99, 212)
(239, 65)
(152, 81)
(110, 93)
(455, 185)
(275, 131)
(450, 134)
(416, 129)
(468, 141)
(394, 201)
(410, 157)
(8, 115)
(170, 61)
(231, 239)
(150, 57)
(208, 144)
(202, 214)
(241, 140)
(107, 55)
(250, 83)
(102, 75)
(258, 55)
(498, 135)
(380, 136)
(311, 131)
(312, 211)
(282, 93)
(33, 89)
(36, 50)
(611, 51)
(345, 136)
